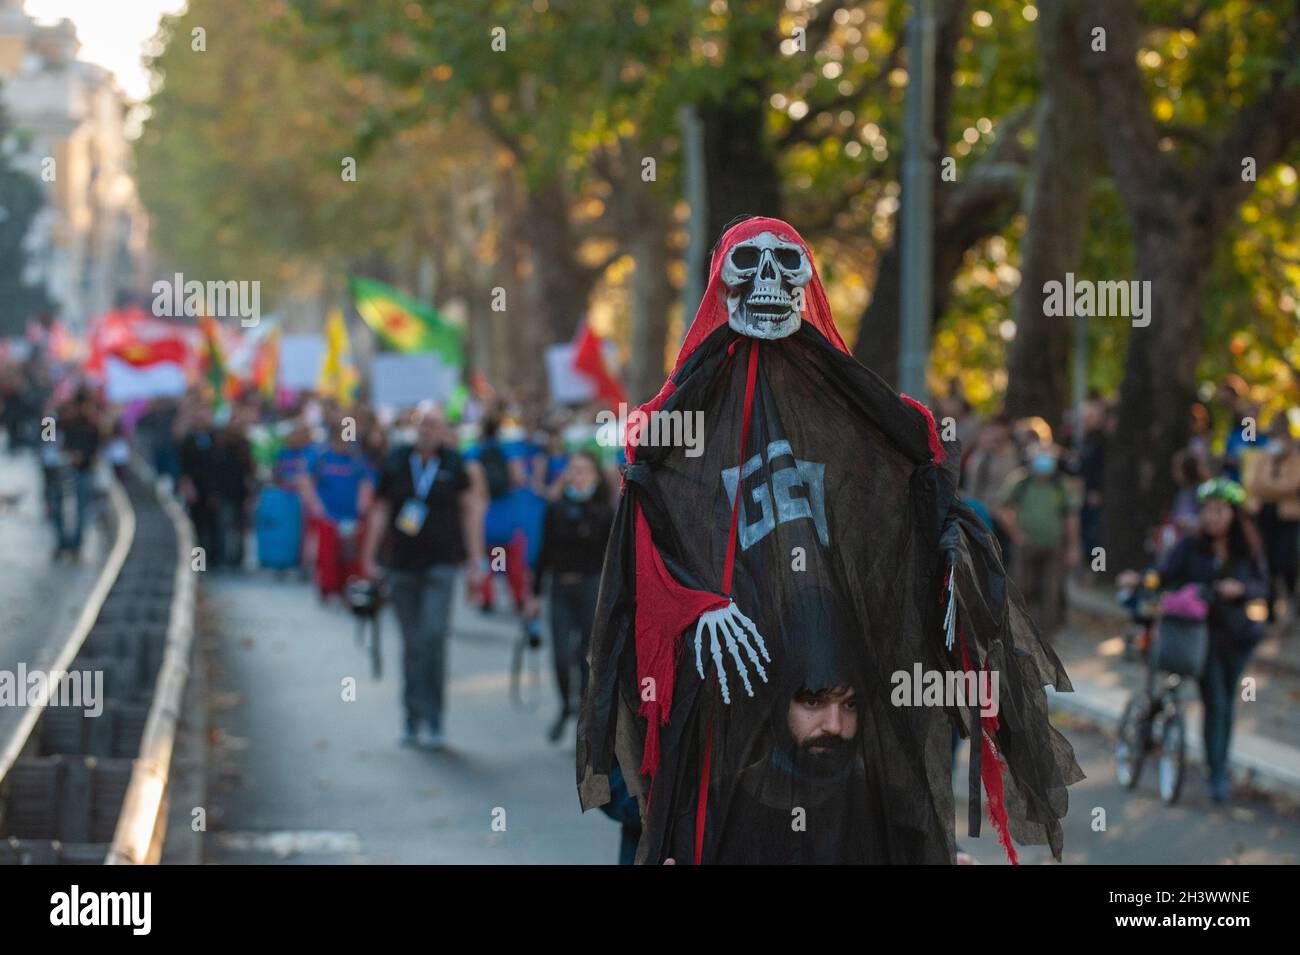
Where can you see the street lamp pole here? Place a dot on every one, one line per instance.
(918, 202)
(697, 199)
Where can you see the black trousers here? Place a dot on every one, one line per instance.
(573, 614)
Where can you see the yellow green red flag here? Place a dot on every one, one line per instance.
(405, 324)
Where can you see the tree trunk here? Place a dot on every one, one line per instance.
(642, 217)
(878, 331)
(652, 298)
(740, 168)
(504, 363)
(562, 283)
(1158, 390)
(964, 213)
(740, 171)
(1178, 211)
(1057, 204)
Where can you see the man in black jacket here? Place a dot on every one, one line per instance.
(428, 511)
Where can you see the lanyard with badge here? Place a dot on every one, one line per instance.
(413, 513)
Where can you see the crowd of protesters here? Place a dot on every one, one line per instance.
(1232, 529)
(520, 493)
(336, 492)
(1042, 493)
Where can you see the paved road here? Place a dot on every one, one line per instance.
(299, 775)
(1140, 829)
(39, 600)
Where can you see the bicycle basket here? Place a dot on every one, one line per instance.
(1180, 646)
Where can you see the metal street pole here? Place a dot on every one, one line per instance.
(697, 247)
(1080, 377)
(918, 202)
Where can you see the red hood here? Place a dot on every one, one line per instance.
(713, 308)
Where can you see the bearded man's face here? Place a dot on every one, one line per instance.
(823, 725)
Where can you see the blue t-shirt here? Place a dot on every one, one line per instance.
(292, 463)
(555, 465)
(511, 449)
(1234, 448)
(338, 482)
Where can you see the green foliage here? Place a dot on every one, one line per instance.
(240, 159)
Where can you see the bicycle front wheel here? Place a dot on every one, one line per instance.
(1130, 743)
(1173, 758)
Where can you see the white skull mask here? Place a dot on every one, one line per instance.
(765, 278)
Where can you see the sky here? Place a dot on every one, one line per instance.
(113, 33)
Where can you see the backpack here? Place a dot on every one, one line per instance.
(496, 469)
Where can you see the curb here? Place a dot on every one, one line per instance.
(1262, 763)
(141, 827)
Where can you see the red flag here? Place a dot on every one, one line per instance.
(144, 353)
(132, 335)
(589, 359)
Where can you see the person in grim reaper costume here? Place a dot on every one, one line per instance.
(761, 589)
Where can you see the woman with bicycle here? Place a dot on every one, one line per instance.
(1225, 558)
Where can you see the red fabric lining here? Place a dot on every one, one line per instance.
(936, 446)
(664, 609)
(751, 377)
(702, 802)
(654, 404)
(991, 767)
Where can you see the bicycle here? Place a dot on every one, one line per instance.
(1172, 640)
(1153, 720)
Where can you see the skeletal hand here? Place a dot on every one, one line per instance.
(736, 630)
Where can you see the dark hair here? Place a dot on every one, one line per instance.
(1244, 542)
(602, 486)
(1188, 468)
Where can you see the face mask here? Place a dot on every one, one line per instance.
(573, 494)
(406, 435)
(1043, 464)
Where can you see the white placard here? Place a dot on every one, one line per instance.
(399, 381)
(125, 382)
(568, 385)
(301, 357)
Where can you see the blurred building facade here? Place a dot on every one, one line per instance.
(89, 245)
